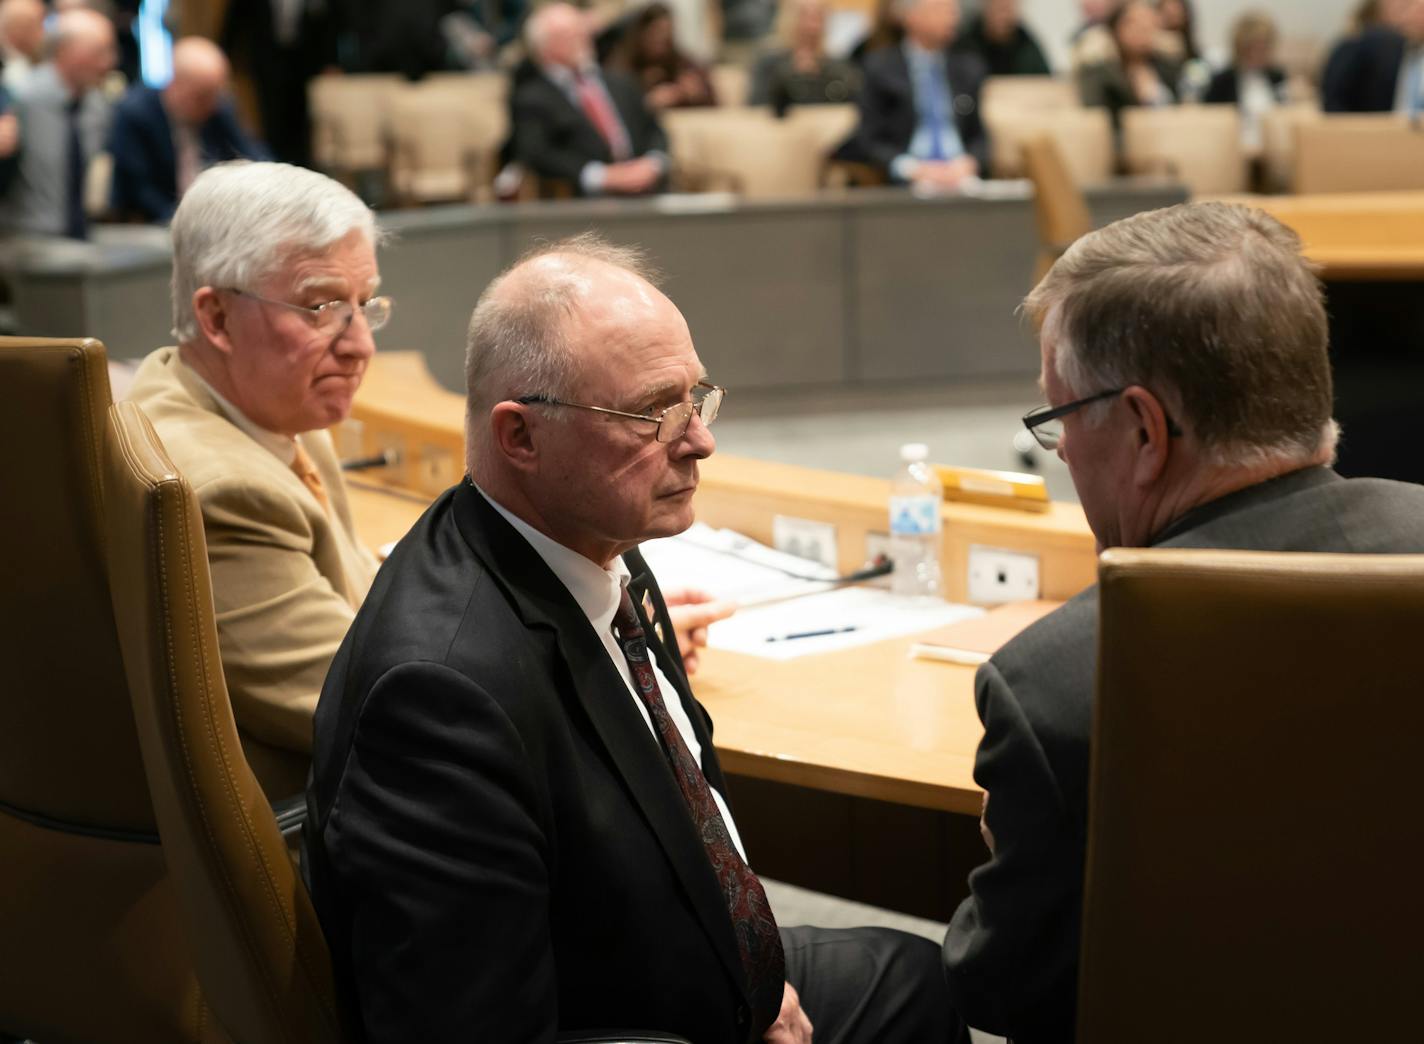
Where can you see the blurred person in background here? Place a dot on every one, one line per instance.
(801, 72)
(574, 122)
(1383, 69)
(1178, 38)
(163, 139)
(999, 37)
(63, 123)
(1135, 73)
(1254, 82)
(649, 54)
(919, 105)
(21, 38)
(1093, 13)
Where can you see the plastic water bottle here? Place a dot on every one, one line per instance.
(915, 497)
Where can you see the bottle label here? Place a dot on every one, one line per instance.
(914, 516)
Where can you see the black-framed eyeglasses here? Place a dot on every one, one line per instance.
(672, 422)
(333, 318)
(1045, 423)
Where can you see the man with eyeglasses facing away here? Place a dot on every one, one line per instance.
(1188, 389)
(517, 825)
(274, 306)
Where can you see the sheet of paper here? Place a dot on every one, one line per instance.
(728, 565)
(847, 617)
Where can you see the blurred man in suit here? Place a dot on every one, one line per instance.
(1381, 70)
(1189, 391)
(274, 307)
(163, 139)
(919, 104)
(517, 822)
(63, 123)
(576, 123)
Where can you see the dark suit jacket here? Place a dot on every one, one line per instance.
(1362, 74)
(496, 847)
(145, 180)
(553, 138)
(1012, 948)
(1224, 88)
(887, 108)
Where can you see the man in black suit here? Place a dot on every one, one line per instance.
(576, 123)
(162, 139)
(919, 104)
(1189, 391)
(1381, 70)
(518, 825)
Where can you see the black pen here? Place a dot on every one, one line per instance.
(813, 634)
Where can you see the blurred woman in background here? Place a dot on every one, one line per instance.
(800, 72)
(669, 78)
(1135, 72)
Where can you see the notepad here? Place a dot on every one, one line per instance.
(972, 641)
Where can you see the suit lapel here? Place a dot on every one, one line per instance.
(598, 689)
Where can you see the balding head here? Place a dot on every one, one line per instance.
(200, 77)
(558, 34)
(84, 49)
(22, 27)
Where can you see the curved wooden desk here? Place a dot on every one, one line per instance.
(867, 722)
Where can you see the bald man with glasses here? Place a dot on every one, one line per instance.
(275, 304)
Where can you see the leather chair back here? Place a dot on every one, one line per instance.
(1358, 152)
(1058, 203)
(1199, 145)
(93, 947)
(259, 949)
(1255, 845)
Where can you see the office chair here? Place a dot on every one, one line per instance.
(91, 942)
(1058, 202)
(260, 953)
(1255, 844)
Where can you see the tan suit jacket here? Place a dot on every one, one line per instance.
(287, 576)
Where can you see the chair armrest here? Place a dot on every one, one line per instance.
(291, 813)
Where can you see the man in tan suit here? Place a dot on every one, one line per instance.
(274, 305)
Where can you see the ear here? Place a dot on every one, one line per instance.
(212, 318)
(1152, 442)
(512, 429)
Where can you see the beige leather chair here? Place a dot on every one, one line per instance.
(1358, 153)
(91, 941)
(444, 140)
(1279, 128)
(1198, 144)
(747, 151)
(1028, 93)
(731, 83)
(259, 948)
(1058, 203)
(350, 121)
(1255, 842)
(1084, 138)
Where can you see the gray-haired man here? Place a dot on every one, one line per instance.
(1189, 392)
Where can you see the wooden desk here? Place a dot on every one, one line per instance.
(866, 722)
(1355, 236)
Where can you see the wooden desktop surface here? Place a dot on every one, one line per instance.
(868, 722)
(1355, 235)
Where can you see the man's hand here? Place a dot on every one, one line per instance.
(631, 177)
(945, 174)
(9, 135)
(691, 611)
(791, 1026)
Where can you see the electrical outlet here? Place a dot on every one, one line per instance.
(805, 538)
(996, 575)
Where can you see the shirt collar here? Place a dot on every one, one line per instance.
(564, 77)
(917, 55)
(596, 590)
(283, 447)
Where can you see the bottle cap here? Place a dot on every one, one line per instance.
(911, 452)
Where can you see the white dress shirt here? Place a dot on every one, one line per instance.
(283, 447)
(598, 592)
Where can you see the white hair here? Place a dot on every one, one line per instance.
(241, 221)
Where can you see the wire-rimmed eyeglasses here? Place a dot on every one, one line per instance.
(672, 422)
(1045, 423)
(333, 318)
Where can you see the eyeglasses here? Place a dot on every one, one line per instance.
(332, 318)
(1045, 423)
(672, 422)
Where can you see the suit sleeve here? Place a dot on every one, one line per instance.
(1011, 953)
(872, 143)
(134, 186)
(444, 867)
(280, 621)
(533, 144)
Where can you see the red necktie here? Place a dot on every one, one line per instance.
(600, 113)
(758, 941)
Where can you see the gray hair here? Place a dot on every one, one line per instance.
(1212, 302)
(241, 221)
(519, 340)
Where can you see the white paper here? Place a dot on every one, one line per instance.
(729, 566)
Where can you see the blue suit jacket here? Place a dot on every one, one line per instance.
(145, 164)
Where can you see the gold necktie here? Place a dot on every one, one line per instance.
(306, 471)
